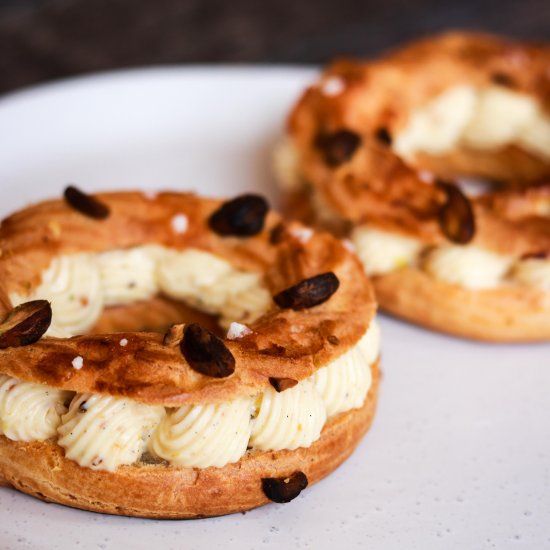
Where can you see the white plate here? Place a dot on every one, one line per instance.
(459, 455)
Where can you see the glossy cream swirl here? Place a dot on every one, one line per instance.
(128, 275)
(499, 117)
(344, 383)
(290, 419)
(247, 305)
(480, 118)
(103, 432)
(212, 284)
(30, 412)
(533, 272)
(200, 436)
(468, 266)
(72, 284)
(436, 127)
(382, 251)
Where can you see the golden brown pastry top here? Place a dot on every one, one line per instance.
(284, 343)
(381, 93)
(343, 139)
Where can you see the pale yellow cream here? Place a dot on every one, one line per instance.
(468, 266)
(30, 412)
(79, 286)
(103, 432)
(128, 275)
(438, 126)
(481, 118)
(344, 383)
(382, 251)
(212, 284)
(290, 419)
(199, 436)
(72, 284)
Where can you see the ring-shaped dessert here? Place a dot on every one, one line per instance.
(371, 147)
(262, 380)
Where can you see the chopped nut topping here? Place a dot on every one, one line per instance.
(456, 217)
(173, 336)
(502, 79)
(284, 489)
(243, 216)
(540, 255)
(309, 292)
(25, 324)
(337, 147)
(86, 204)
(282, 384)
(384, 137)
(206, 353)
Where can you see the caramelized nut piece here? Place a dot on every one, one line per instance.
(456, 217)
(337, 147)
(173, 336)
(333, 339)
(282, 384)
(86, 204)
(243, 216)
(502, 79)
(206, 353)
(25, 324)
(540, 255)
(309, 292)
(284, 489)
(384, 137)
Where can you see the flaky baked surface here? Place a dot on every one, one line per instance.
(158, 491)
(146, 369)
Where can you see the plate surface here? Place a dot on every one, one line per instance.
(459, 455)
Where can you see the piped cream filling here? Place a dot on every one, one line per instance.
(79, 286)
(199, 436)
(480, 118)
(467, 266)
(73, 286)
(103, 432)
(213, 285)
(344, 383)
(30, 412)
(289, 419)
(381, 251)
(129, 275)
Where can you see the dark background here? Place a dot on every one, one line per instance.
(47, 39)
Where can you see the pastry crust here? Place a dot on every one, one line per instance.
(159, 491)
(495, 315)
(270, 350)
(349, 176)
(284, 343)
(381, 94)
